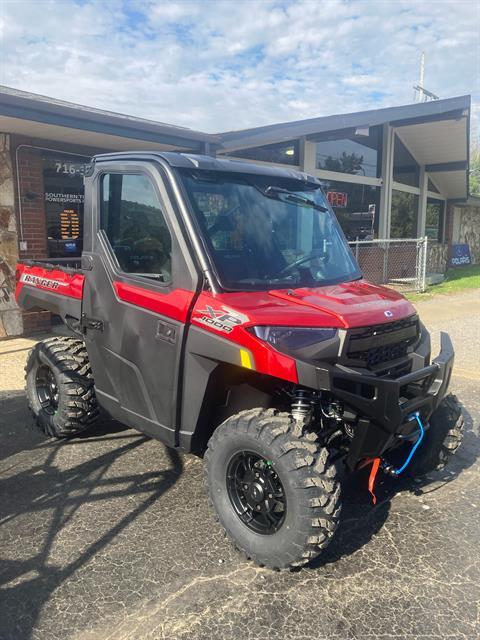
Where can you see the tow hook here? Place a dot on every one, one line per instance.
(387, 468)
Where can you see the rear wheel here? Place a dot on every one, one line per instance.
(59, 387)
(442, 439)
(274, 491)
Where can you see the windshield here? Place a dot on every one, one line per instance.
(264, 232)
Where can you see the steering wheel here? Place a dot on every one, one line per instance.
(223, 222)
(319, 255)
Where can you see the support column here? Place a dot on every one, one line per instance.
(422, 203)
(387, 180)
(308, 155)
(10, 315)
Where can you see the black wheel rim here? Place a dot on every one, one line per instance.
(47, 389)
(256, 492)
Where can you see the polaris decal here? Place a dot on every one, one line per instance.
(223, 319)
(38, 281)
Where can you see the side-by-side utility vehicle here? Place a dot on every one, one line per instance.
(217, 307)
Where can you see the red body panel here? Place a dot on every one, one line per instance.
(207, 314)
(52, 280)
(347, 305)
(228, 315)
(174, 304)
(352, 304)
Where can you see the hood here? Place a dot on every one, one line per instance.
(344, 305)
(354, 304)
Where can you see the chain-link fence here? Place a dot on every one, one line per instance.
(399, 263)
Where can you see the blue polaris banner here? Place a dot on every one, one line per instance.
(460, 255)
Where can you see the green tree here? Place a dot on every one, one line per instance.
(403, 215)
(475, 172)
(347, 163)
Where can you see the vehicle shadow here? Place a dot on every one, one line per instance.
(361, 520)
(45, 490)
(14, 412)
(19, 433)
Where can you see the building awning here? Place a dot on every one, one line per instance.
(442, 146)
(436, 133)
(37, 116)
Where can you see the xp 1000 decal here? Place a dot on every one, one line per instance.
(223, 319)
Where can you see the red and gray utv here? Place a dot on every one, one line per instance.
(217, 307)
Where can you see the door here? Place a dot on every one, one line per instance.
(139, 287)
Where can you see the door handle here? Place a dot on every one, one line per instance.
(86, 263)
(90, 323)
(166, 332)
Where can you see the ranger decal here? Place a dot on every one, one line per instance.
(37, 281)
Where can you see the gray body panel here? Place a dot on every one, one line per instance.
(136, 370)
(32, 298)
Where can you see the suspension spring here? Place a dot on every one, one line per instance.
(302, 405)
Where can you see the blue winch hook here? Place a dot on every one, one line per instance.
(397, 472)
(378, 463)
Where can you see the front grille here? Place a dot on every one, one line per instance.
(382, 343)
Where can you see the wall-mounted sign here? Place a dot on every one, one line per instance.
(460, 255)
(70, 168)
(69, 224)
(63, 198)
(337, 198)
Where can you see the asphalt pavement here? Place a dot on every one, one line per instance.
(109, 536)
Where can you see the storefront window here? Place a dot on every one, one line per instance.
(63, 196)
(404, 215)
(434, 219)
(405, 168)
(355, 206)
(282, 153)
(357, 153)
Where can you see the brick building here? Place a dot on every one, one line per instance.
(43, 144)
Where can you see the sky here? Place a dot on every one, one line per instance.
(224, 65)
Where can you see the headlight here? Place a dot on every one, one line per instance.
(292, 338)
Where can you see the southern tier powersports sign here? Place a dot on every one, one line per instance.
(64, 198)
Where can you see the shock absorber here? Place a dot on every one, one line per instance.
(302, 406)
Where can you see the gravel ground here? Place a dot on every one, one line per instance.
(109, 535)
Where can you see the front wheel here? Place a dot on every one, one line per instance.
(274, 491)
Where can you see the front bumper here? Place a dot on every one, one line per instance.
(384, 405)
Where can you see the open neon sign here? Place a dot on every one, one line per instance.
(337, 198)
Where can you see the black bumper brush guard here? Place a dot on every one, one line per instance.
(387, 406)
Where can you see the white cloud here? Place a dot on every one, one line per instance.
(230, 64)
(364, 80)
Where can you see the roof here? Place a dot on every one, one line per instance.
(471, 201)
(208, 163)
(435, 133)
(17, 107)
(407, 114)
